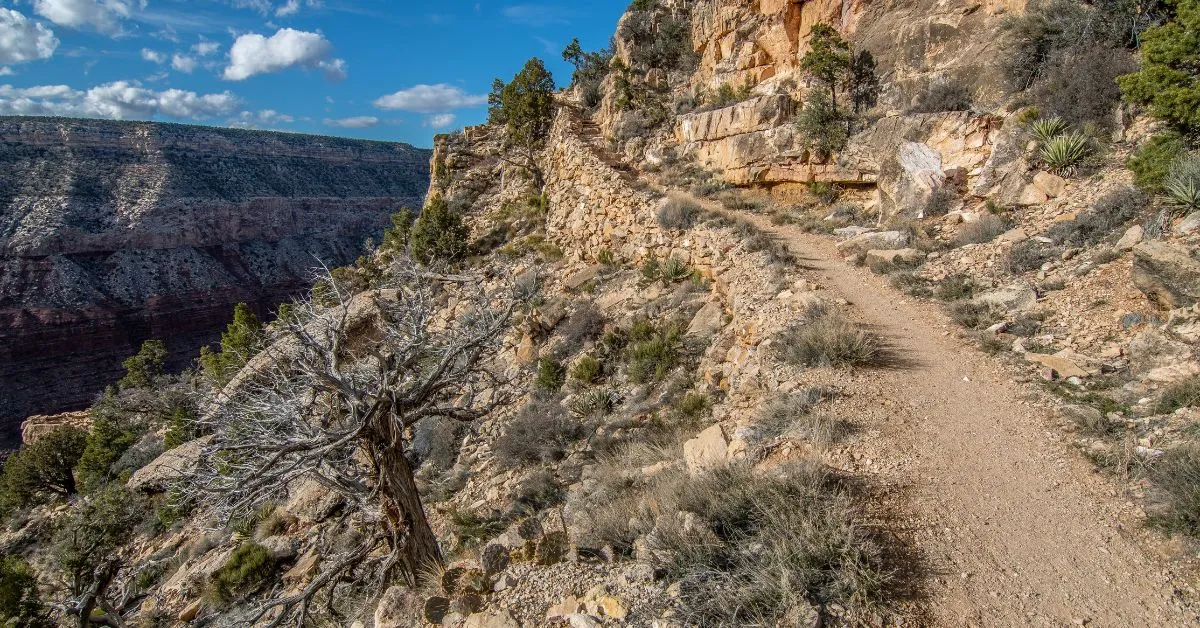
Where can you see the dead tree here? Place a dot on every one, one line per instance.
(331, 398)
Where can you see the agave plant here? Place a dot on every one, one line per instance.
(1183, 183)
(1046, 129)
(1063, 153)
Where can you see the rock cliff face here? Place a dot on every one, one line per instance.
(112, 233)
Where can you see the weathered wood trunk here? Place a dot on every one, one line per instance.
(415, 546)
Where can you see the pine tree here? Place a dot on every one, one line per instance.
(1169, 81)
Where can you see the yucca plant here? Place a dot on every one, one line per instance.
(1183, 183)
(1046, 129)
(1063, 153)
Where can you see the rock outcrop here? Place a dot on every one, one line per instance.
(1168, 274)
(112, 233)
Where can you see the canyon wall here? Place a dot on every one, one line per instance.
(112, 233)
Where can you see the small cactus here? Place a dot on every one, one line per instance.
(435, 609)
(551, 549)
(494, 559)
(451, 578)
(468, 604)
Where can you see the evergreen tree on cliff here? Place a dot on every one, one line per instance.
(525, 108)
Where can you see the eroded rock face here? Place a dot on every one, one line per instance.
(1168, 274)
(112, 233)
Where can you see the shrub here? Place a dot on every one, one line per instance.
(435, 442)
(694, 405)
(585, 324)
(823, 129)
(1080, 85)
(825, 192)
(541, 431)
(754, 563)
(1182, 184)
(537, 492)
(976, 315)
(1026, 256)
(674, 270)
(1046, 129)
(826, 338)
(594, 403)
(180, 429)
(587, 370)
(248, 569)
(1063, 154)
(1181, 394)
(985, 229)
(955, 288)
(143, 368)
(114, 430)
(19, 601)
(42, 469)
(242, 338)
(1168, 82)
(653, 351)
(93, 531)
(942, 95)
(793, 414)
(1151, 163)
(1175, 490)
(665, 42)
(678, 214)
(439, 234)
(550, 375)
(1111, 212)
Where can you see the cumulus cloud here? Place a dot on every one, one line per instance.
(440, 121)
(153, 56)
(357, 122)
(206, 48)
(119, 100)
(104, 16)
(438, 98)
(183, 63)
(265, 119)
(254, 54)
(22, 39)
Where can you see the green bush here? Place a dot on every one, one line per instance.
(1169, 79)
(550, 375)
(823, 129)
(653, 351)
(694, 405)
(248, 569)
(181, 429)
(142, 369)
(20, 604)
(587, 370)
(1151, 163)
(954, 288)
(241, 339)
(42, 469)
(1182, 184)
(975, 315)
(1046, 129)
(396, 237)
(113, 433)
(439, 234)
(659, 41)
(90, 535)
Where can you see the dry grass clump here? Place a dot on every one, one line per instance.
(678, 214)
(1181, 394)
(985, 229)
(827, 338)
(1175, 490)
(792, 414)
(976, 315)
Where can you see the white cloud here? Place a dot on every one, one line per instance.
(102, 15)
(438, 98)
(153, 56)
(206, 48)
(183, 63)
(253, 54)
(357, 122)
(22, 39)
(440, 120)
(6, 71)
(267, 118)
(292, 7)
(119, 100)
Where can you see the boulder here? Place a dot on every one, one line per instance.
(311, 502)
(1051, 185)
(708, 320)
(1153, 351)
(1168, 274)
(577, 280)
(1015, 297)
(875, 240)
(1190, 224)
(491, 619)
(169, 468)
(1032, 195)
(851, 231)
(1133, 236)
(921, 176)
(1063, 367)
(706, 451)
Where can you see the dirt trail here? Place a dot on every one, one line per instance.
(1010, 525)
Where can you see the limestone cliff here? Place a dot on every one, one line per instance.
(115, 232)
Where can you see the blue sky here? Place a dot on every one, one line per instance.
(375, 69)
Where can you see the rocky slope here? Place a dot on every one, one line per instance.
(112, 233)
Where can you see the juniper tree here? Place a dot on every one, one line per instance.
(1169, 81)
(525, 108)
(332, 399)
